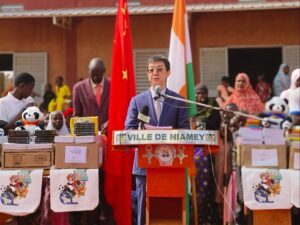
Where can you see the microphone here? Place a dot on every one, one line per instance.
(143, 117)
(157, 92)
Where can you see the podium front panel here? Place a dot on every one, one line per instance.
(165, 156)
(166, 182)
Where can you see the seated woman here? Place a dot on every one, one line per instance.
(57, 122)
(244, 96)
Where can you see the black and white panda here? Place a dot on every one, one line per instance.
(275, 115)
(31, 119)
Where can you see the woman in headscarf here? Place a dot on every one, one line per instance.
(295, 82)
(208, 119)
(57, 122)
(282, 80)
(244, 96)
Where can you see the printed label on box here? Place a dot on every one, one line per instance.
(261, 157)
(76, 154)
(297, 160)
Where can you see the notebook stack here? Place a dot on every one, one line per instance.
(18, 136)
(252, 123)
(294, 134)
(84, 129)
(44, 136)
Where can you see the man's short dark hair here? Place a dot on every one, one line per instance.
(25, 78)
(159, 58)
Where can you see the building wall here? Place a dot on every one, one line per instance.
(252, 28)
(70, 51)
(35, 35)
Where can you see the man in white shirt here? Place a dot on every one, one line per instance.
(15, 102)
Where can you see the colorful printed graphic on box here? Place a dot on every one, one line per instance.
(269, 186)
(74, 188)
(17, 188)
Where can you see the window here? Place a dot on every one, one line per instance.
(213, 65)
(291, 56)
(6, 62)
(34, 63)
(6, 71)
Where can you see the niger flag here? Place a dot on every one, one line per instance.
(181, 79)
(118, 165)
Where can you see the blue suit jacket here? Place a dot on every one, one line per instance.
(171, 115)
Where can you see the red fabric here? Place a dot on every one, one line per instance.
(264, 90)
(118, 165)
(98, 94)
(68, 112)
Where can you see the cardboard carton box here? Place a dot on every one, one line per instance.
(78, 155)
(264, 156)
(294, 159)
(29, 156)
(30, 159)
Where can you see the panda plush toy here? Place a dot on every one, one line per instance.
(275, 115)
(32, 118)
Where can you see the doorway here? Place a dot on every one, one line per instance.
(254, 61)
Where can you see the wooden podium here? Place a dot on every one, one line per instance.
(166, 154)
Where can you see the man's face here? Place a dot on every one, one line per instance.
(157, 74)
(27, 89)
(96, 73)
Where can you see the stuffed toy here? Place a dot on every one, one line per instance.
(32, 118)
(275, 115)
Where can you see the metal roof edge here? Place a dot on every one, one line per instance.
(144, 10)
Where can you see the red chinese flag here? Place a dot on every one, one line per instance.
(118, 165)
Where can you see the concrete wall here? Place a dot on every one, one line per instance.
(70, 51)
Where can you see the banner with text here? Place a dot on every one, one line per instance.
(143, 137)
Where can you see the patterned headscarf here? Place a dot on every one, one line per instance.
(246, 99)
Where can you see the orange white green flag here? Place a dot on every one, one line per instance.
(181, 79)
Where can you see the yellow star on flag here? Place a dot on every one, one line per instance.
(125, 75)
(124, 9)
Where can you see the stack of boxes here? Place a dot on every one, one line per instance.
(268, 148)
(81, 150)
(257, 150)
(294, 154)
(20, 153)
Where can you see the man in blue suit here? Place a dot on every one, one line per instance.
(162, 112)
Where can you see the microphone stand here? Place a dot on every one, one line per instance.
(209, 106)
(225, 175)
